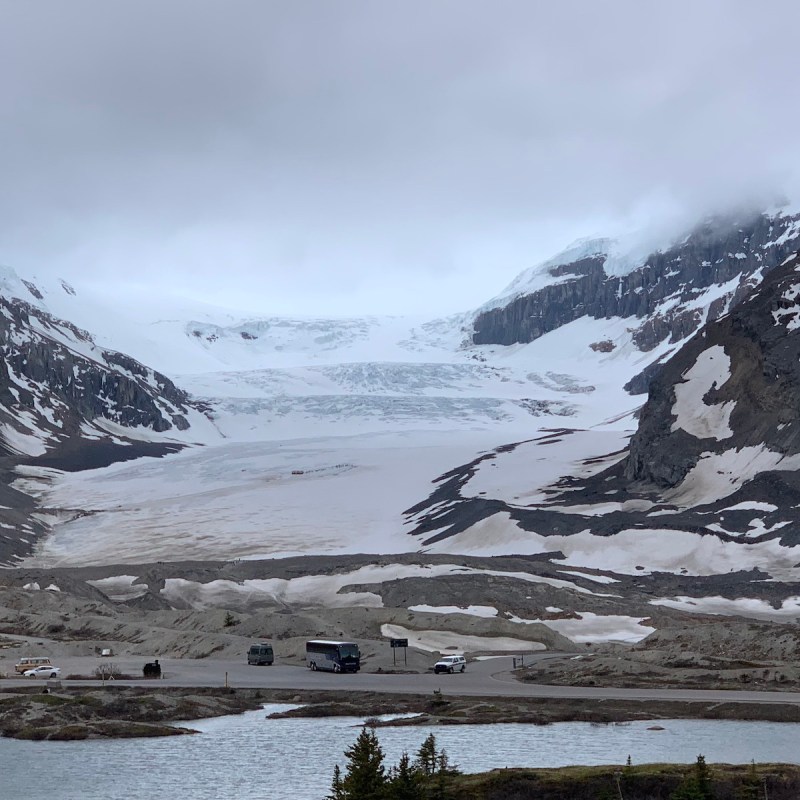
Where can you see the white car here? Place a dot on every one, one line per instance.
(42, 672)
(450, 664)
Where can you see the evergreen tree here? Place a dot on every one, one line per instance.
(404, 781)
(433, 768)
(364, 778)
(426, 778)
(627, 770)
(751, 788)
(696, 785)
(337, 792)
(624, 777)
(426, 756)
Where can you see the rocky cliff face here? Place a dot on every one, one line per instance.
(67, 404)
(734, 388)
(671, 292)
(54, 383)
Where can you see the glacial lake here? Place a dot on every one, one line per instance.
(250, 756)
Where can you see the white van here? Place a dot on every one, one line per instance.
(29, 663)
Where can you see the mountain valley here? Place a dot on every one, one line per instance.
(606, 450)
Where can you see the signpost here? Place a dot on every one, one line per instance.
(395, 643)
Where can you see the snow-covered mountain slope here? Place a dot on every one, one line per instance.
(329, 384)
(327, 459)
(68, 404)
(395, 435)
(709, 485)
(669, 292)
(57, 387)
(179, 337)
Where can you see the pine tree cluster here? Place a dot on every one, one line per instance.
(366, 778)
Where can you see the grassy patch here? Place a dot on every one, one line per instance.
(639, 782)
(89, 700)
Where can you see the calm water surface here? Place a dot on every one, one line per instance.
(249, 756)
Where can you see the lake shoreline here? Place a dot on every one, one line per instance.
(130, 711)
(444, 709)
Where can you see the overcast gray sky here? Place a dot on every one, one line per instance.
(346, 157)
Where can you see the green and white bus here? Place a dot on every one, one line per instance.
(333, 656)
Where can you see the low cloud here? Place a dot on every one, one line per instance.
(371, 157)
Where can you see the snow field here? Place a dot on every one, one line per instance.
(742, 606)
(258, 500)
(586, 627)
(434, 641)
(521, 476)
(326, 590)
(718, 475)
(473, 611)
(629, 552)
(325, 431)
(591, 627)
(694, 415)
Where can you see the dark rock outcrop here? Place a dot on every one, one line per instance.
(665, 292)
(762, 343)
(53, 379)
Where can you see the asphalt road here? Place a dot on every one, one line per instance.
(492, 677)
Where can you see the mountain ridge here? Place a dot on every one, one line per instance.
(670, 294)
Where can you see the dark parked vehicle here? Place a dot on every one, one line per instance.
(152, 669)
(260, 654)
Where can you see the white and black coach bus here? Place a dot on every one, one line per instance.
(333, 656)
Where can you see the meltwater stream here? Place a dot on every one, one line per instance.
(249, 756)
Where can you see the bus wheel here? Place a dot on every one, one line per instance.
(337, 668)
(313, 667)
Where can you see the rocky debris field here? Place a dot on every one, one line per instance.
(69, 714)
(720, 654)
(78, 620)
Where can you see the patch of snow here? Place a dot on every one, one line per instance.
(590, 577)
(474, 611)
(434, 641)
(693, 414)
(591, 627)
(521, 476)
(317, 590)
(742, 606)
(120, 587)
(752, 505)
(28, 444)
(654, 550)
(717, 475)
(308, 590)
